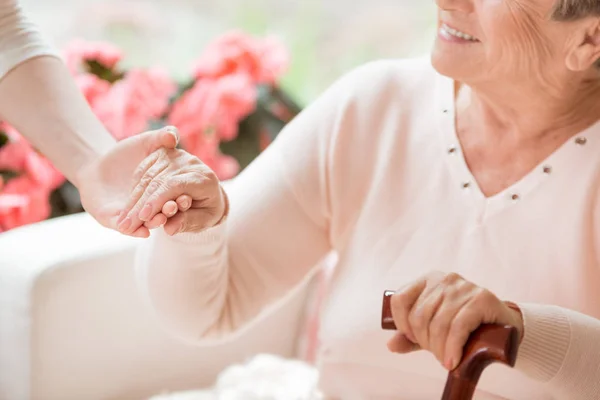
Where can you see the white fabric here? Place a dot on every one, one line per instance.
(264, 377)
(72, 325)
(20, 39)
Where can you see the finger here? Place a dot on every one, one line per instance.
(169, 209)
(148, 170)
(138, 175)
(143, 188)
(184, 202)
(439, 327)
(156, 222)
(465, 322)
(153, 140)
(159, 195)
(141, 232)
(141, 146)
(194, 220)
(423, 312)
(399, 343)
(402, 302)
(149, 143)
(202, 185)
(174, 224)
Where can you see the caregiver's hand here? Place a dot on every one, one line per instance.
(170, 175)
(439, 312)
(105, 184)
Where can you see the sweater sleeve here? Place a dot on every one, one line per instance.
(20, 40)
(561, 348)
(205, 285)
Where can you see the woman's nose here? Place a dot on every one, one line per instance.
(465, 6)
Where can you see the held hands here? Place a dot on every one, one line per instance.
(105, 183)
(439, 311)
(174, 189)
(178, 190)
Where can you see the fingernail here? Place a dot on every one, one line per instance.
(145, 213)
(173, 131)
(449, 364)
(123, 226)
(185, 203)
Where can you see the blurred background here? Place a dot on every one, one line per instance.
(325, 37)
(142, 64)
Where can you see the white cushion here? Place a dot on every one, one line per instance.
(72, 325)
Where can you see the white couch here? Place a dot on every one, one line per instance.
(72, 326)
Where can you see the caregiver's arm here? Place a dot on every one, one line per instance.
(40, 99)
(281, 222)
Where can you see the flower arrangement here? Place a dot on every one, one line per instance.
(228, 112)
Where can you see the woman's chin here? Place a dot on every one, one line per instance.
(449, 65)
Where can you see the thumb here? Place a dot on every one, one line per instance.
(399, 343)
(153, 140)
(193, 220)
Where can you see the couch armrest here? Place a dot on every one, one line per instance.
(72, 325)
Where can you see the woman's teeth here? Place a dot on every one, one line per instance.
(458, 34)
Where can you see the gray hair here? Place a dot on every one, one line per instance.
(571, 10)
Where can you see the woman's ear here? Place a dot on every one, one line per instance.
(586, 53)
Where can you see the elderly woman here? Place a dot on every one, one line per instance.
(469, 182)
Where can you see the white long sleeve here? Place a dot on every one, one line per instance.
(40, 99)
(20, 39)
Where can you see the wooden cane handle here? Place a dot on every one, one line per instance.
(486, 345)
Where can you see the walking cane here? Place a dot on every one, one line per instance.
(486, 345)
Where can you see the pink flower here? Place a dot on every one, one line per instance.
(211, 111)
(214, 107)
(23, 201)
(41, 171)
(264, 61)
(224, 166)
(237, 98)
(77, 52)
(13, 153)
(206, 148)
(92, 87)
(19, 156)
(132, 102)
(274, 59)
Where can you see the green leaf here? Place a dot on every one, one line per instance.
(3, 139)
(106, 74)
(8, 174)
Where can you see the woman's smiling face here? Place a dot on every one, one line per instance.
(490, 39)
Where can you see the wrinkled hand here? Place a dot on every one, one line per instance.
(439, 312)
(105, 184)
(170, 175)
